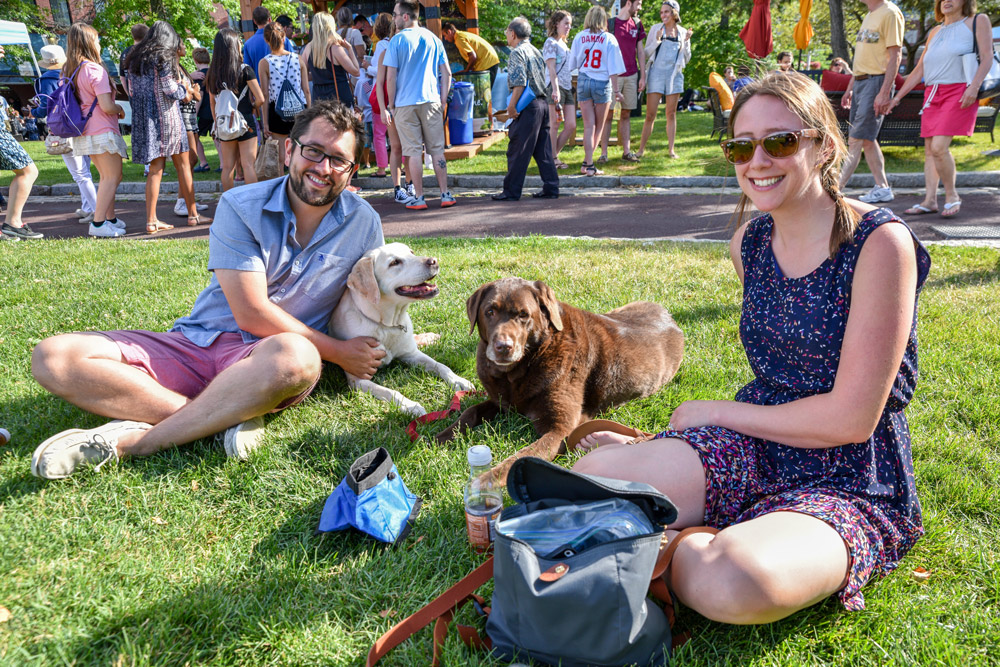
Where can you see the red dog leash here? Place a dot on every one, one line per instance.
(456, 403)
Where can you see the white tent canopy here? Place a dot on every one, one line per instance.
(12, 32)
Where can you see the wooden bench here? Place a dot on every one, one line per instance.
(902, 126)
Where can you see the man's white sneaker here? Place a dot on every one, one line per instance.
(107, 230)
(86, 219)
(60, 456)
(877, 195)
(243, 438)
(118, 224)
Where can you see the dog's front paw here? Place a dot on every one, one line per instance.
(426, 339)
(461, 384)
(413, 409)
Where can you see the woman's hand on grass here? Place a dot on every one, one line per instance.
(692, 414)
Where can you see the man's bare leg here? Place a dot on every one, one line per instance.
(279, 368)
(87, 370)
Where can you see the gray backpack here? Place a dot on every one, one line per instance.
(584, 603)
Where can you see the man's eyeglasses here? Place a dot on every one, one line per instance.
(778, 145)
(314, 154)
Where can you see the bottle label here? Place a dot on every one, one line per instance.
(482, 528)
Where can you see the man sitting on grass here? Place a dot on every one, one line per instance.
(280, 252)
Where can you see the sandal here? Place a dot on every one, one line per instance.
(951, 209)
(157, 226)
(195, 220)
(919, 209)
(630, 157)
(590, 170)
(595, 425)
(561, 165)
(602, 160)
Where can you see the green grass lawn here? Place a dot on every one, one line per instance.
(699, 156)
(187, 558)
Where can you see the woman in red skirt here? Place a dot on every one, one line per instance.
(949, 99)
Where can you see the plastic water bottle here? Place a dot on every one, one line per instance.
(483, 500)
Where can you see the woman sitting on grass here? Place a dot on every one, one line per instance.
(807, 474)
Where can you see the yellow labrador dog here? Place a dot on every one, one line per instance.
(380, 287)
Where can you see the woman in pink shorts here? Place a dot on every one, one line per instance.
(807, 474)
(950, 99)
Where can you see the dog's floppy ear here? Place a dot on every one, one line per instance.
(363, 285)
(472, 308)
(547, 300)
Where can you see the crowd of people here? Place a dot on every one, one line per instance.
(396, 76)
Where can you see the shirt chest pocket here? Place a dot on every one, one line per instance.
(323, 276)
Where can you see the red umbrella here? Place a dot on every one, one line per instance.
(756, 34)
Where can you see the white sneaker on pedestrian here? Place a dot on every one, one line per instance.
(410, 190)
(107, 230)
(243, 438)
(180, 208)
(60, 456)
(877, 194)
(80, 213)
(86, 219)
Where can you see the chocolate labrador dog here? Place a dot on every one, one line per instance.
(559, 365)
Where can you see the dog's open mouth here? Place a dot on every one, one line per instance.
(421, 291)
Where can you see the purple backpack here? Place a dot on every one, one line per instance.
(65, 117)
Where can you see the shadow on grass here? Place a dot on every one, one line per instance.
(966, 279)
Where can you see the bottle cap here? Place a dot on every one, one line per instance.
(480, 455)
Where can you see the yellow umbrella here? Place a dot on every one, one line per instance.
(803, 30)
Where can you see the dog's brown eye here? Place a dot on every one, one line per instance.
(395, 262)
(489, 312)
(523, 314)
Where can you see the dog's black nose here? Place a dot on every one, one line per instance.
(502, 345)
(432, 261)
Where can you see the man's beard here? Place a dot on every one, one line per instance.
(297, 181)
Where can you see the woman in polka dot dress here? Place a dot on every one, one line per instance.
(807, 474)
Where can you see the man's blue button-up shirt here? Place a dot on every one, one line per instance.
(254, 230)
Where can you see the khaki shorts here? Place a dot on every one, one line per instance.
(420, 125)
(630, 91)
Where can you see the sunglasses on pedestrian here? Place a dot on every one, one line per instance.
(778, 145)
(314, 154)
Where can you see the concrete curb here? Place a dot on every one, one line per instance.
(967, 179)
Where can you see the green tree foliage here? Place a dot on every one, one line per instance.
(23, 12)
(192, 19)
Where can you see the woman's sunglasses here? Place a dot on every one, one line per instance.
(777, 145)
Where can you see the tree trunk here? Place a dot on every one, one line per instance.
(838, 36)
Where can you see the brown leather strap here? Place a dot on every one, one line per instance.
(667, 550)
(658, 586)
(441, 607)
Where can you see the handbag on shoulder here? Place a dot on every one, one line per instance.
(970, 63)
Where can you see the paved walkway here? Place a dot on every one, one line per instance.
(649, 213)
